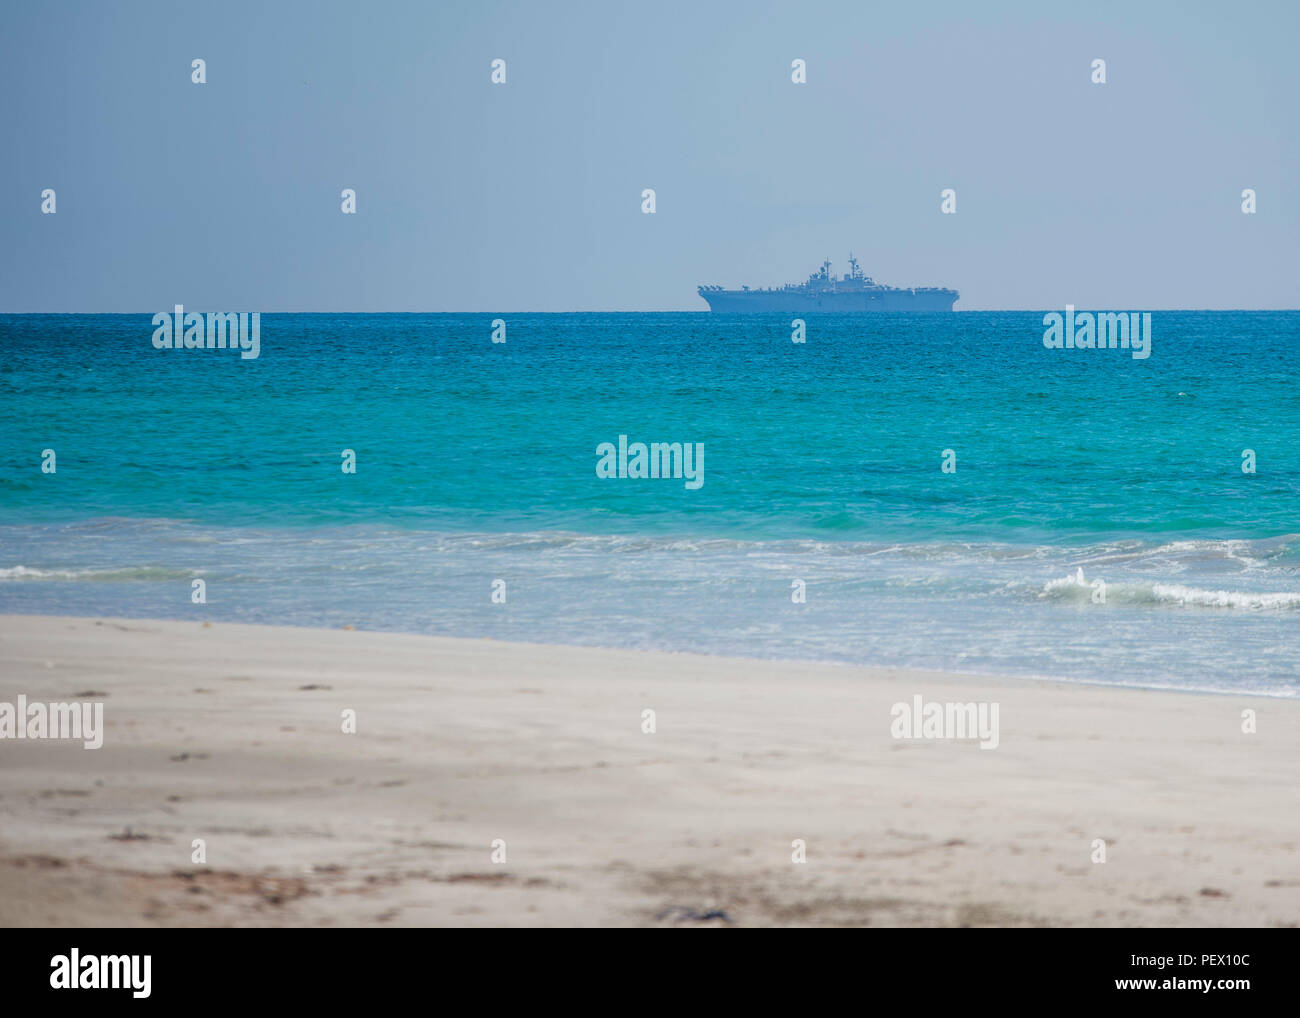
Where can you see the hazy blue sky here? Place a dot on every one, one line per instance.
(473, 196)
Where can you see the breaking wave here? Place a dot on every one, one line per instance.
(126, 573)
(1078, 588)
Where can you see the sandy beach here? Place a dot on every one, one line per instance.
(234, 735)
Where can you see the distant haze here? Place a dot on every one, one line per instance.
(526, 196)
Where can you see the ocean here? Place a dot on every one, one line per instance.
(1094, 523)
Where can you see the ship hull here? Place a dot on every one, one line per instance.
(750, 301)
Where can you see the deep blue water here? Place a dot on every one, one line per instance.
(477, 461)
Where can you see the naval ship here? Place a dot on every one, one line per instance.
(824, 292)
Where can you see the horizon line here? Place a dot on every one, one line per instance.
(659, 311)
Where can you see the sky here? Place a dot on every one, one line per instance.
(527, 196)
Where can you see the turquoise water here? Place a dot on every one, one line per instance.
(477, 461)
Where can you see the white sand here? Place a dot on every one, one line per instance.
(211, 734)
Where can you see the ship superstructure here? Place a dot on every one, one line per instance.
(824, 291)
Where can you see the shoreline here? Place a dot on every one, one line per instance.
(1001, 678)
(230, 733)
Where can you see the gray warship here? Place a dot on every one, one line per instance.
(824, 292)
